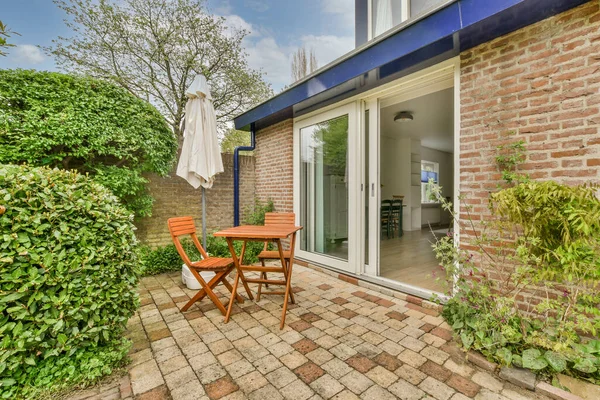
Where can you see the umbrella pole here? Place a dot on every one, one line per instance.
(204, 218)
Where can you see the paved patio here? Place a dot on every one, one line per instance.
(340, 341)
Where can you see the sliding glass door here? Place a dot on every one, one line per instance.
(324, 183)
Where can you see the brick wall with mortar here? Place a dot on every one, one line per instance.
(175, 197)
(274, 165)
(541, 82)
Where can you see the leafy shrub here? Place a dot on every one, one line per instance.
(217, 247)
(73, 122)
(256, 215)
(167, 259)
(67, 282)
(527, 286)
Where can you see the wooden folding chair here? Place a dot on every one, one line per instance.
(182, 226)
(274, 219)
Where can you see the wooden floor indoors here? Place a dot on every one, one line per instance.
(410, 259)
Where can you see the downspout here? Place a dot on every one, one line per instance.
(236, 174)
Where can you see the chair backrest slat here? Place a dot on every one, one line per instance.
(273, 218)
(180, 226)
(278, 219)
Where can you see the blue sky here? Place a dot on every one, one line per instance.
(277, 28)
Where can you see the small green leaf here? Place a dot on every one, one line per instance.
(62, 338)
(532, 359)
(505, 355)
(556, 361)
(467, 340)
(585, 365)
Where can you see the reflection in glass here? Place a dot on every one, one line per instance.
(324, 187)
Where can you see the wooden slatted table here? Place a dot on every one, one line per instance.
(259, 233)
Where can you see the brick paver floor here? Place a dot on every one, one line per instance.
(340, 341)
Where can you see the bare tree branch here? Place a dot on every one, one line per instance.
(303, 64)
(154, 49)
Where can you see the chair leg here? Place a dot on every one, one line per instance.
(207, 290)
(226, 283)
(202, 292)
(262, 274)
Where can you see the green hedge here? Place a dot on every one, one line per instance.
(166, 258)
(67, 282)
(77, 122)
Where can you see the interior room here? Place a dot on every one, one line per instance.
(416, 156)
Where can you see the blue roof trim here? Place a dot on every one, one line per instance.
(472, 21)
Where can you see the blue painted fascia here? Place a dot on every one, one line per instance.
(471, 22)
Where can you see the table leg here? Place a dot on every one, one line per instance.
(288, 286)
(284, 267)
(233, 295)
(237, 261)
(239, 298)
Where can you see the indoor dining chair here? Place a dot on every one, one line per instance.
(386, 217)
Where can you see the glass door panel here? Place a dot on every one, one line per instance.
(324, 187)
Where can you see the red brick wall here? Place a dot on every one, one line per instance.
(274, 165)
(175, 197)
(543, 83)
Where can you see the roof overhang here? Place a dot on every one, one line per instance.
(453, 27)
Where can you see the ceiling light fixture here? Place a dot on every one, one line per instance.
(403, 116)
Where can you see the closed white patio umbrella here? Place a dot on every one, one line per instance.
(200, 160)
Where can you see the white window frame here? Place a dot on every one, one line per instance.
(405, 5)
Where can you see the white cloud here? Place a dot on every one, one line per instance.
(257, 5)
(342, 9)
(235, 22)
(27, 54)
(327, 47)
(265, 53)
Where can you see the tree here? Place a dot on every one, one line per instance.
(154, 48)
(303, 64)
(93, 126)
(5, 33)
(234, 138)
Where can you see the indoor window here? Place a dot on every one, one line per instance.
(429, 181)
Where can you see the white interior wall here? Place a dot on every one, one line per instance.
(396, 177)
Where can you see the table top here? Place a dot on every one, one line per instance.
(258, 232)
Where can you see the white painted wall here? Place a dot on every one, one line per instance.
(395, 177)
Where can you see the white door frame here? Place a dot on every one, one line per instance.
(350, 109)
(440, 76)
